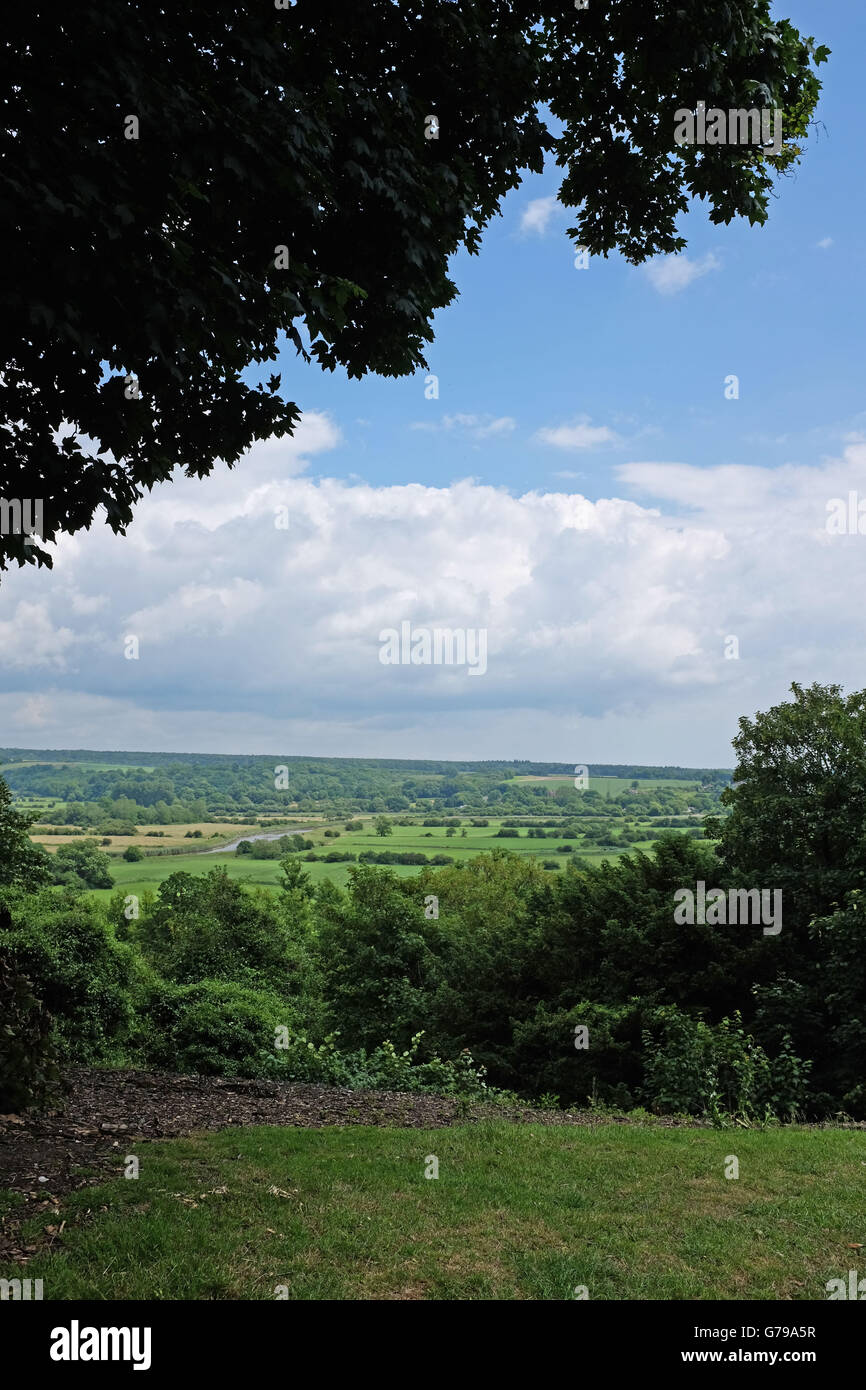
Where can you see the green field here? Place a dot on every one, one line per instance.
(263, 873)
(430, 840)
(606, 786)
(518, 1212)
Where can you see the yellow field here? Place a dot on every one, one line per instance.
(173, 837)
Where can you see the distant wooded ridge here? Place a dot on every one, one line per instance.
(517, 767)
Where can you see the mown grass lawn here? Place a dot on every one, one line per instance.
(517, 1212)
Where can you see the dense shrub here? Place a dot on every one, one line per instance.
(376, 953)
(545, 1058)
(396, 856)
(210, 927)
(29, 1075)
(274, 849)
(219, 1028)
(691, 1067)
(383, 1067)
(82, 976)
(334, 856)
(214, 1027)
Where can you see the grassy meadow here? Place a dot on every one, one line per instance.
(518, 1212)
(212, 833)
(607, 786)
(265, 873)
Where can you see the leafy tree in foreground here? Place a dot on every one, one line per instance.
(28, 1069)
(208, 927)
(798, 818)
(378, 960)
(839, 1002)
(82, 975)
(22, 864)
(183, 185)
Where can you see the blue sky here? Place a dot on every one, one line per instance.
(534, 339)
(581, 490)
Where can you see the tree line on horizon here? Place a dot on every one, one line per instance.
(179, 791)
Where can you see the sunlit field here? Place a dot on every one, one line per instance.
(429, 840)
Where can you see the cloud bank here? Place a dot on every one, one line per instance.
(257, 599)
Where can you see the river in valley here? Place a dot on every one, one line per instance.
(263, 835)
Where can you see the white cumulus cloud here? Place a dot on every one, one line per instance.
(536, 216)
(671, 274)
(581, 434)
(606, 617)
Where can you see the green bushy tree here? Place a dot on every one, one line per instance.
(29, 1075)
(213, 1027)
(798, 803)
(376, 954)
(81, 864)
(209, 927)
(79, 972)
(22, 863)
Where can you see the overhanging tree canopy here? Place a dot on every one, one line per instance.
(155, 160)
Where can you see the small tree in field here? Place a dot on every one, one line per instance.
(383, 826)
